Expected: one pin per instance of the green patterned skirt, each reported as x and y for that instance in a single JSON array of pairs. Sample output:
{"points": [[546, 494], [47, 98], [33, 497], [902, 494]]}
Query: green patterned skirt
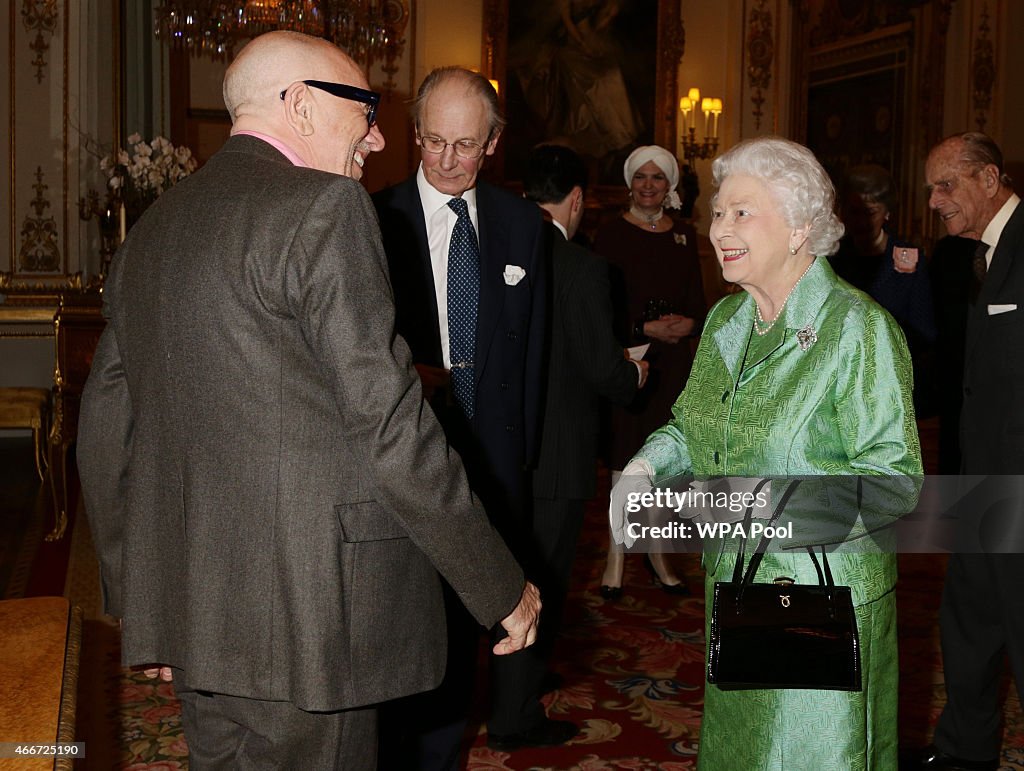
{"points": [[805, 730]]}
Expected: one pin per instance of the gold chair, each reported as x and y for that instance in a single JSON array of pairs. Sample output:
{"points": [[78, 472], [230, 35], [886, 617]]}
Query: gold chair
{"points": [[76, 331], [28, 408]]}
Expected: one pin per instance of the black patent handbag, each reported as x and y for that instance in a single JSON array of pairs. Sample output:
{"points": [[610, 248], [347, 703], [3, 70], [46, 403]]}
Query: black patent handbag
{"points": [[783, 634]]}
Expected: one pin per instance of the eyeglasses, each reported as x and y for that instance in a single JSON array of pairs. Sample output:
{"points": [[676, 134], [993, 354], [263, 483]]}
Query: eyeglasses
{"points": [[464, 148], [343, 91]]}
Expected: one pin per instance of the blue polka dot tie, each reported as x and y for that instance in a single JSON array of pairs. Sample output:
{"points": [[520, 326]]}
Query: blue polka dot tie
{"points": [[463, 297]]}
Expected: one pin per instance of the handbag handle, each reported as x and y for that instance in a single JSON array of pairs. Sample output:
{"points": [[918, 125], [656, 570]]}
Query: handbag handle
{"points": [[746, 578], [755, 561], [737, 574]]}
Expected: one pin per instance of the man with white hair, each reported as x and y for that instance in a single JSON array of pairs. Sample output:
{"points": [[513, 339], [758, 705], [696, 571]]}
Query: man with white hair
{"points": [[268, 496], [981, 618]]}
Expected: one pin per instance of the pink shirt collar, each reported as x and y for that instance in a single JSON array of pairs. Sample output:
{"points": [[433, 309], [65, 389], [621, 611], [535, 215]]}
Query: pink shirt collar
{"points": [[277, 144]]}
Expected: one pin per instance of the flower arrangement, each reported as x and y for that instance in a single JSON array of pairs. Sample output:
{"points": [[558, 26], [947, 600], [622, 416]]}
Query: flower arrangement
{"points": [[138, 175]]}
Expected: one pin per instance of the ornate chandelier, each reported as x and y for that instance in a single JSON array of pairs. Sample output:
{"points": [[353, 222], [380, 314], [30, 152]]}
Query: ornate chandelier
{"points": [[369, 30]]}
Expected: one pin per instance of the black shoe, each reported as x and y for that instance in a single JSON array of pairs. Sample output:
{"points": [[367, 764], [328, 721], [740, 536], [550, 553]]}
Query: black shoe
{"points": [[934, 759], [680, 589], [549, 733], [611, 593], [551, 681]]}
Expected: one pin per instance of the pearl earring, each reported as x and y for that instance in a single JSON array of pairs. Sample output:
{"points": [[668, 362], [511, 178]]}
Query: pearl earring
{"points": [[792, 250]]}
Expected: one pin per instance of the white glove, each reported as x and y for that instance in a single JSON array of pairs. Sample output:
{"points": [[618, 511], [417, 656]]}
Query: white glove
{"points": [[637, 478]]}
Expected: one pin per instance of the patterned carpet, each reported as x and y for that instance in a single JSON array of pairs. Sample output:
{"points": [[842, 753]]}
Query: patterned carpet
{"points": [[632, 670]]}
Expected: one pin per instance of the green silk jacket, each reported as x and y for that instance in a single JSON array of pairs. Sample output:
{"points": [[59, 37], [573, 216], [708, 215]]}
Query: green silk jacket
{"points": [[827, 391]]}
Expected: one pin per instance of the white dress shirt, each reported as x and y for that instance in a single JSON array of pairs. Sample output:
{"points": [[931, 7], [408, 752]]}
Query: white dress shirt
{"points": [[994, 229], [440, 223]]}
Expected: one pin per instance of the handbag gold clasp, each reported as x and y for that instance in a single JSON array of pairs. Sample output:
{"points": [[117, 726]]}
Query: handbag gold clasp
{"points": [[784, 581]]}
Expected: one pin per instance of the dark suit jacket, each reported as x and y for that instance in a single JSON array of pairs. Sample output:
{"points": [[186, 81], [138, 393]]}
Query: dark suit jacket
{"points": [[992, 422], [951, 275], [266, 491], [586, 363], [502, 438]]}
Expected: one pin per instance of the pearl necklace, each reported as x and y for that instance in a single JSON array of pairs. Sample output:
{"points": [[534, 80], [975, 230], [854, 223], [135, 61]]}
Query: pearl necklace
{"points": [[650, 219], [763, 327]]}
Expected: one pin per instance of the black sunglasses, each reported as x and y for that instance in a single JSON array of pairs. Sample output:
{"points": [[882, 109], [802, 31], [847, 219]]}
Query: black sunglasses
{"points": [[344, 91]]}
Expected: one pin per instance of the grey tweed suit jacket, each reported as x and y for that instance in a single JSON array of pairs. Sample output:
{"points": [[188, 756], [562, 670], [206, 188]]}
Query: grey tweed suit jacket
{"points": [[268, 493]]}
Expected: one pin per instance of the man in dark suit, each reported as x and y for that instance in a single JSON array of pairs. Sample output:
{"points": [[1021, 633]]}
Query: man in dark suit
{"points": [[268, 498], [585, 363], [982, 611], [469, 276], [952, 275]]}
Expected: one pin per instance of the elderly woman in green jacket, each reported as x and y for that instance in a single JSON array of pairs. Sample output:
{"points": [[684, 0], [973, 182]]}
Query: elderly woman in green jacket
{"points": [[800, 375]]}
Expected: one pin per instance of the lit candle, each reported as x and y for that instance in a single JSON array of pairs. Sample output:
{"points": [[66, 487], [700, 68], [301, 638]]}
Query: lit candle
{"points": [[684, 108], [705, 106], [685, 105], [716, 110], [694, 97], [122, 218]]}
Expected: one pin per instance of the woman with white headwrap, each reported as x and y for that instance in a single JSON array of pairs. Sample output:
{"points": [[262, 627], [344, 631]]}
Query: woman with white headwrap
{"points": [[659, 299]]}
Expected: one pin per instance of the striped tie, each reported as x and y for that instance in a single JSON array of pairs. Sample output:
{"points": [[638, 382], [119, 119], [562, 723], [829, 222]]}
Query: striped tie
{"points": [[979, 267]]}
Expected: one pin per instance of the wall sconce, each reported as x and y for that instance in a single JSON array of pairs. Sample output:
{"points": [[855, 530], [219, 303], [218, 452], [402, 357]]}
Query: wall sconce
{"points": [[110, 216], [712, 109]]}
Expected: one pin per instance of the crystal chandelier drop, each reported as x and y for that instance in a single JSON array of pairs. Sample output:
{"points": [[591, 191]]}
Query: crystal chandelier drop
{"points": [[370, 31]]}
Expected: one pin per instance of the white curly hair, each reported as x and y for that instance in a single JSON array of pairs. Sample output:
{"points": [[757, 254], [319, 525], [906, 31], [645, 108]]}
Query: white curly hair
{"points": [[801, 188]]}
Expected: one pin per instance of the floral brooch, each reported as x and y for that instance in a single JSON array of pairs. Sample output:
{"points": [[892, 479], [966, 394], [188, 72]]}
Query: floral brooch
{"points": [[806, 337]]}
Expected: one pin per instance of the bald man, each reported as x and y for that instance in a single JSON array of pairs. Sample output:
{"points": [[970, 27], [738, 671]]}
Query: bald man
{"points": [[270, 500]]}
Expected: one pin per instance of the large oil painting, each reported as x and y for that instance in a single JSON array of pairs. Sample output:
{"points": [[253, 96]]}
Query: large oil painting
{"points": [[597, 75], [855, 113]]}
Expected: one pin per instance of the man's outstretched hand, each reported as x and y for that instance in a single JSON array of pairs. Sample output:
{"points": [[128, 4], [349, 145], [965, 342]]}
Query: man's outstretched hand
{"points": [[521, 623]]}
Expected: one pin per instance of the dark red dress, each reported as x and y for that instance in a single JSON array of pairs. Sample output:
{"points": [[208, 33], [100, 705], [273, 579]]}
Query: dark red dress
{"points": [[650, 272]]}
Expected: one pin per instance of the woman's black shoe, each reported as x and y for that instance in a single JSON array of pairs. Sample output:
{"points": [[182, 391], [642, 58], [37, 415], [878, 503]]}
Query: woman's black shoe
{"points": [[611, 592], [679, 590]]}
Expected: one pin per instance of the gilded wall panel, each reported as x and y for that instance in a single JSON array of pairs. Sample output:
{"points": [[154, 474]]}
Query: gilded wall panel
{"points": [[760, 58], [46, 101], [40, 18], [983, 69]]}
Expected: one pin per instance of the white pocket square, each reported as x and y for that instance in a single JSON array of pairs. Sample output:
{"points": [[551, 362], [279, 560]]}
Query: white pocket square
{"points": [[513, 274], [995, 310]]}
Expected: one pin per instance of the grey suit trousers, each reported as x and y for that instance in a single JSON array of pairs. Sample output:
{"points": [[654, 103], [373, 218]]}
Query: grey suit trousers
{"points": [[230, 733]]}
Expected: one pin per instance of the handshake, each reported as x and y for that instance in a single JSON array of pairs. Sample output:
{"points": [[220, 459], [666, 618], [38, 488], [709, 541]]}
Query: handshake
{"points": [[718, 500]]}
